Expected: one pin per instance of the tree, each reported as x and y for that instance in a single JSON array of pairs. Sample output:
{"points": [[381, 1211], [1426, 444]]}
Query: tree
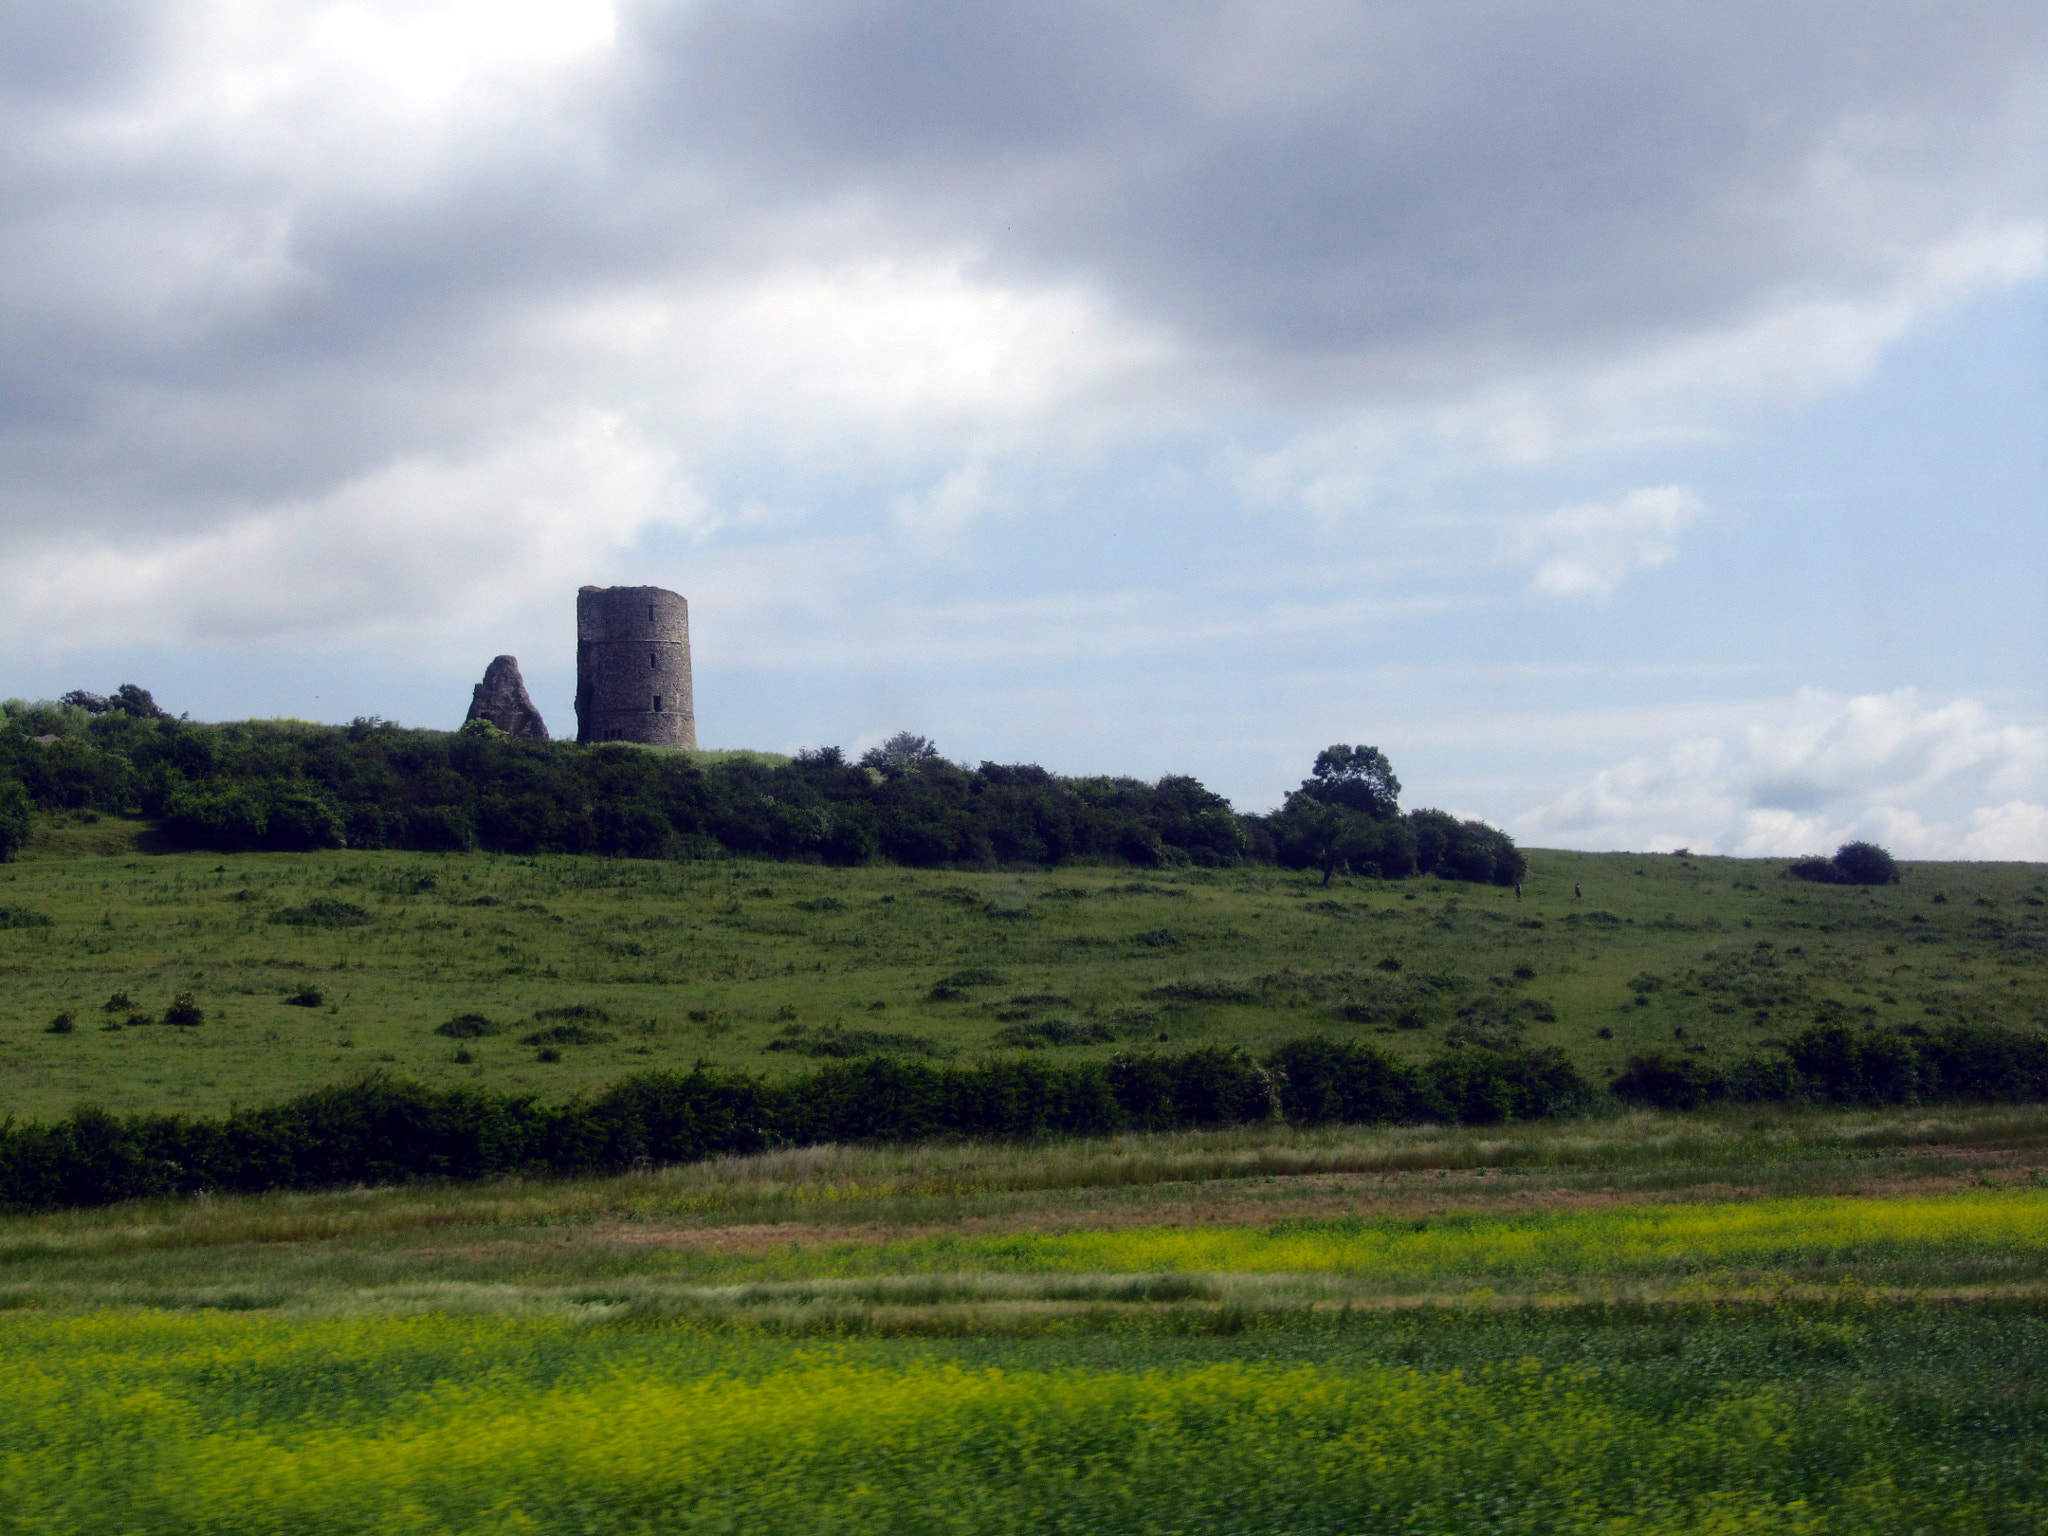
{"points": [[17, 819], [1345, 815], [1866, 864], [1853, 864], [900, 754], [1357, 778], [131, 700], [1464, 850], [1313, 834]]}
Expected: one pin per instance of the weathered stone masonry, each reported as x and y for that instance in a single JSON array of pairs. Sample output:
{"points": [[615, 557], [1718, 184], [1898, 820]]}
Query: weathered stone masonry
{"points": [[501, 698], [633, 667]]}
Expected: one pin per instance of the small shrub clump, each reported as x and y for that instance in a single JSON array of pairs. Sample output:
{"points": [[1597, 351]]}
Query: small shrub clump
{"points": [[567, 1034], [1038, 1035], [324, 912], [469, 1026], [586, 1011], [836, 1042], [1853, 864]]}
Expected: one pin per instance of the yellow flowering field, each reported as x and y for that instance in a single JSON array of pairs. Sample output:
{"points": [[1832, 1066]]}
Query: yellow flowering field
{"points": [[1195, 1344], [232, 1422], [2000, 1227]]}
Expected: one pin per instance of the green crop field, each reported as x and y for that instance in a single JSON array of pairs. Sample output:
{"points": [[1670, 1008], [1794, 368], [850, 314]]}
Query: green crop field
{"points": [[1813, 1322], [309, 968]]}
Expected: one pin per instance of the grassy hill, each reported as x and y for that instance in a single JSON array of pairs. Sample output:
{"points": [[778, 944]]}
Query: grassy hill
{"points": [[313, 967], [1755, 1317]]}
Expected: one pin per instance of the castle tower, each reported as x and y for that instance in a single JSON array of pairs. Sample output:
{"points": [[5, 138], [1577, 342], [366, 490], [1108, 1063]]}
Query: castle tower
{"points": [[633, 667]]}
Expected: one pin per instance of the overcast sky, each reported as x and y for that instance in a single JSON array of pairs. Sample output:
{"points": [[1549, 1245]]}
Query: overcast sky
{"points": [[1629, 417]]}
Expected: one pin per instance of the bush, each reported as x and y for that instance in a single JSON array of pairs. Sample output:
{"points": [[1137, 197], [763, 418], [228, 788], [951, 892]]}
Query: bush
{"points": [[302, 819], [975, 976], [17, 819], [567, 1034], [469, 1026], [440, 829], [1476, 1086], [184, 1011], [1464, 850], [1039, 1034], [1667, 1082], [22, 917], [1815, 868], [226, 816], [1833, 1063], [308, 996], [1326, 1081], [1866, 864], [324, 912], [836, 1042], [1853, 864]]}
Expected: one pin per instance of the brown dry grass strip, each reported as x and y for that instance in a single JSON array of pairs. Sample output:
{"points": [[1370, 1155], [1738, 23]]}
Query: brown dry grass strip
{"points": [[1311, 1197]]}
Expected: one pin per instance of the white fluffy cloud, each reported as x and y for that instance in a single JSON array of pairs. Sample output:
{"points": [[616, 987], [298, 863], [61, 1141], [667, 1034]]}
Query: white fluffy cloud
{"points": [[1588, 551], [253, 260], [421, 546], [1927, 779]]}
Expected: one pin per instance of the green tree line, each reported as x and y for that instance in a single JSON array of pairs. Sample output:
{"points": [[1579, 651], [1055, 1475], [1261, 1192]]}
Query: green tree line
{"points": [[295, 785]]}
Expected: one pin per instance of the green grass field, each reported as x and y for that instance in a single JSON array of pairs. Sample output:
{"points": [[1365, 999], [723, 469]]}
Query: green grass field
{"points": [[768, 966], [1764, 1319]]}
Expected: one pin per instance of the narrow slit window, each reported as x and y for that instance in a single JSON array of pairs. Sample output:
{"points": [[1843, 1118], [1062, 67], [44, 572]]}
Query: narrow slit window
{"points": [[657, 703], [651, 662], [650, 613]]}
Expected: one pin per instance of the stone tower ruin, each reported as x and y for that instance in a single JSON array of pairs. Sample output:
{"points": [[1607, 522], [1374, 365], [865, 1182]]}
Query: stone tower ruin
{"points": [[502, 699], [633, 667]]}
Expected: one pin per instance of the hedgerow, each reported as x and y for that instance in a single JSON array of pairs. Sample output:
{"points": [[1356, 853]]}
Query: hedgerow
{"points": [[380, 1129], [1835, 1064]]}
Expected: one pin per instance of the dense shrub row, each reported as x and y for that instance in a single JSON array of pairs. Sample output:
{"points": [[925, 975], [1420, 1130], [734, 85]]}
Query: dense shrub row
{"points": [[1834, 1064], [292, 785], [384, 1130]]}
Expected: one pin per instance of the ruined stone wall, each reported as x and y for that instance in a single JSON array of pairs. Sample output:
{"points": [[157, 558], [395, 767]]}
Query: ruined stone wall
{"points": [[502, 699], [633, 667]]}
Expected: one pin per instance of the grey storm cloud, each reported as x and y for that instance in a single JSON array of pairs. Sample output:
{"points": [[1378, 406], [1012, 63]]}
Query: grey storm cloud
{"points": [[201, 313], [1445, 184]]}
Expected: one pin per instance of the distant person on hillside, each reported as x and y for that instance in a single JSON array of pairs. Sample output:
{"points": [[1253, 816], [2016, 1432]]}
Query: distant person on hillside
{"points": [[1576, 892], [1518, 890]]}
